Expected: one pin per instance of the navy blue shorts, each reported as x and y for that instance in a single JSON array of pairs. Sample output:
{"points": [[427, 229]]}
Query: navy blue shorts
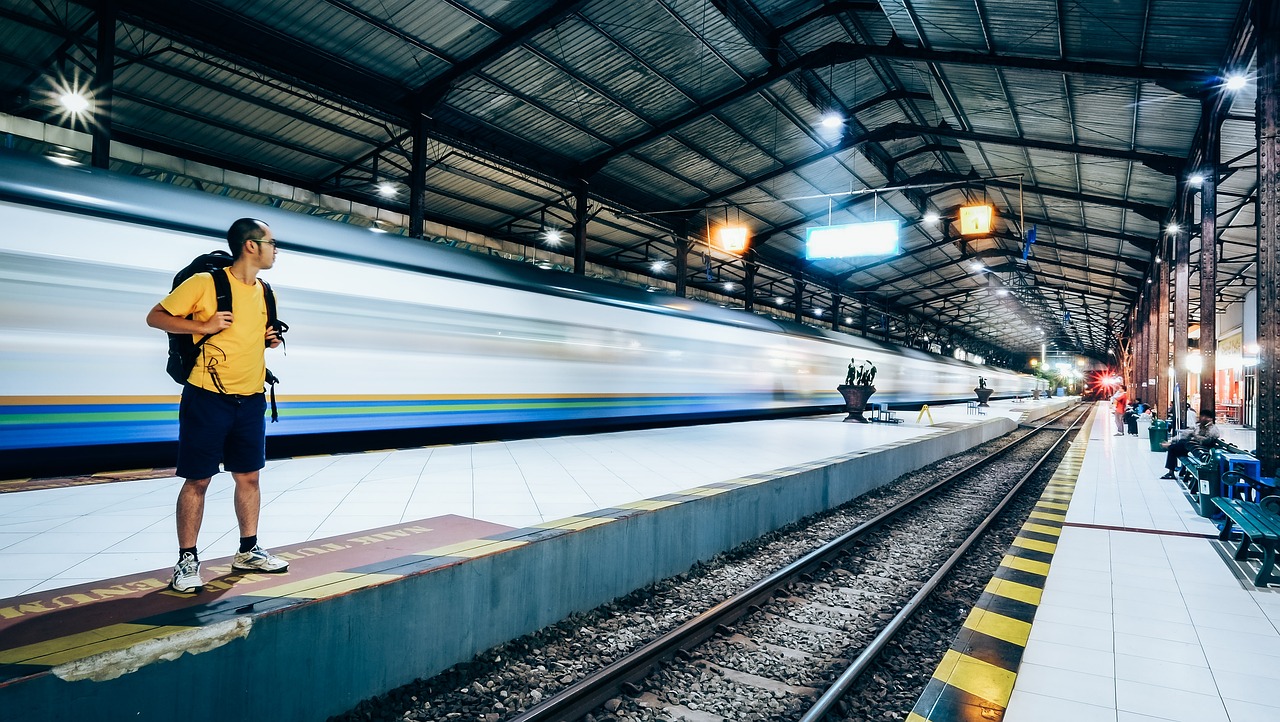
{"points": [[217, 428]]}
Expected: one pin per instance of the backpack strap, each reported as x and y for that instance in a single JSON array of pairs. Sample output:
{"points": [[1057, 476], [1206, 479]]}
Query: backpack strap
{"points": [[222, 295], [280, 326]]}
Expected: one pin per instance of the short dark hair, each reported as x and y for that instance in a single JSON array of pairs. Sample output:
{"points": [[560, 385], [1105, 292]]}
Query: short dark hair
{"points": [[245, 229]]}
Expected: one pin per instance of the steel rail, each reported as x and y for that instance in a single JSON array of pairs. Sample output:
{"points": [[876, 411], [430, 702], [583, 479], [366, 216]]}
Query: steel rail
{"points": [[594, 690], [837, 690]]}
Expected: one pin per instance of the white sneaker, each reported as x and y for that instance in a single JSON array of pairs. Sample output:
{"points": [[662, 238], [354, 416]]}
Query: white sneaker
{"points": [[186, 575], [258, 559]]}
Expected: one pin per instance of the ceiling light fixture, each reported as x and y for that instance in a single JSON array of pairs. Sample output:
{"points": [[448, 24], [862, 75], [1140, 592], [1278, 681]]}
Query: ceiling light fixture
{"points": [[932, 217], [74, 102], [1236, 81], [832, 120], [386, 189]]}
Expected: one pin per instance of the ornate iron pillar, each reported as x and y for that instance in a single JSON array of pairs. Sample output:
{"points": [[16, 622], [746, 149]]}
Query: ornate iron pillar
{"points": [[1182, 304], [836, 301], [1139, 348], [797, 298], [682, 256], [418, 175], [1163, 378], [104, 84], [1153, 354], [749, 268], [1267, 29], [580, 228], [1208, 344]]}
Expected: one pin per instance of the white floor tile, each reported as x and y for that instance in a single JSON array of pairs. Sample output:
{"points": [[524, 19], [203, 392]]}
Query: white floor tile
{"points": [[1167, 703], [1029, 707]]}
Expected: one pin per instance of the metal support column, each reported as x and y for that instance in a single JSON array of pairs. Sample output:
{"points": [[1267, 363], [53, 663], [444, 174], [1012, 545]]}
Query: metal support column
{"points": [[797, 298], [682, 256], [104, 84], [580, 229], [1152, 393], [418, 176], [1267, 29], [1163, 385], [1208, 344], [749, 268], [836, 301], [1182, 305]]}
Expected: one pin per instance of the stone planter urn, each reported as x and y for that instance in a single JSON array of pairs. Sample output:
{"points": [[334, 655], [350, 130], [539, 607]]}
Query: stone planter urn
{"points": [[1035, 395], [855, 400], [984, 395]]}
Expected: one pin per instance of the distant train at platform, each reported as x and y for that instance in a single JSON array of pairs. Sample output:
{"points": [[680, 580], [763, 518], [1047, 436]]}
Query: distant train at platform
{"points": [[387, 333]]}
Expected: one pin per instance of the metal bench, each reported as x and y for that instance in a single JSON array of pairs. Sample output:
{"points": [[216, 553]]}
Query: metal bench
{"points": [[1258, 527]]}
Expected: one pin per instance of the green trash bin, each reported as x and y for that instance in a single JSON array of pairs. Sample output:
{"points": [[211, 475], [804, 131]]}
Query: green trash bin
{"points": [[1158, 433]]}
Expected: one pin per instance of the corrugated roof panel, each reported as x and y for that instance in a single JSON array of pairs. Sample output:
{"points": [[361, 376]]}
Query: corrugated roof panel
{"points": [[1167, 122], [693, 167], [1019, 27], [816, 34], [493, 105], [770, 127], [1189, 33], [721, 33], [645, 177], [949, 24], [1104, 30], [441, 26], [725, 145], [982, 100], [1151, 186], [1040, 103], [597, 57], [342, 34], [548, 86], [654, 34]]}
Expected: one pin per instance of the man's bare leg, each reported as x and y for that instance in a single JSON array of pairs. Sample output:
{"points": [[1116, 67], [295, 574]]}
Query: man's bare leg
{"points": [[248, 501], [191, 511]]}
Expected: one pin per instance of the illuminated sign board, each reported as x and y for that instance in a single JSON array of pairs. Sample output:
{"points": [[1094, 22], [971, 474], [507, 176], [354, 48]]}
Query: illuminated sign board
{"points": [[975, 220], [733, 238], [876, 238]]}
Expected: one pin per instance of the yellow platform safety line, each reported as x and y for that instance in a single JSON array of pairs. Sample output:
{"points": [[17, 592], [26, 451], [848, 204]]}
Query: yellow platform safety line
{"points": [[1014, 631], [978, 678], [1030, 566], [60, 650], [964, 687], [1042, 529], [1035, 545], [472, 548], [924, 411], [575, 523], [647, 504], [325, 585]]}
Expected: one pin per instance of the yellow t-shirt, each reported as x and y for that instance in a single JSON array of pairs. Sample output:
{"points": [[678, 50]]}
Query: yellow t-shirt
{"points": [[235, 354]]}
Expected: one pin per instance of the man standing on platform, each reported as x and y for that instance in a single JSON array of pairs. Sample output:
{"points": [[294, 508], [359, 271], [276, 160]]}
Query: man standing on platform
{"points": [[1204, 433], [222, 415]]}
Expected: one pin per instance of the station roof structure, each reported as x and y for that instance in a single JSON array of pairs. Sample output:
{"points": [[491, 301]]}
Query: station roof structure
{"points": [[1077, 118]]}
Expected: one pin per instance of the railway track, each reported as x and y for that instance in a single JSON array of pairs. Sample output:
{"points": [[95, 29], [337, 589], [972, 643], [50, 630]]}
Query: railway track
{"points": [[769, 651]]}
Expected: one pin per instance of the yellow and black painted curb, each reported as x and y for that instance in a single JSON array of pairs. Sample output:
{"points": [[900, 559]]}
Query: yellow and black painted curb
{"points": [[974, 680]]}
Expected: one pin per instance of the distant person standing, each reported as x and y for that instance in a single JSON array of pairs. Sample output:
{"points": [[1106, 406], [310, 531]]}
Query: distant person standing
{"points": [[1118, 406], [222, 415]]}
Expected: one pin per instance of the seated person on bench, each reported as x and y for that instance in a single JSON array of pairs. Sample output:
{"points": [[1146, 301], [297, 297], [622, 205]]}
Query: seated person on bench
{"points": [[1203, 435]]}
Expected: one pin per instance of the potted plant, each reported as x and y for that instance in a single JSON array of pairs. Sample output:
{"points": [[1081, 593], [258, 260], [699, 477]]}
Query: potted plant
{"points": [[984, 393], [857, 389]]}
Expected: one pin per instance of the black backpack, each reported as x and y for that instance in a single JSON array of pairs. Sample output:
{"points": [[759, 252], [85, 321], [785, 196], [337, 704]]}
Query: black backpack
{"points": [[183, 352]]}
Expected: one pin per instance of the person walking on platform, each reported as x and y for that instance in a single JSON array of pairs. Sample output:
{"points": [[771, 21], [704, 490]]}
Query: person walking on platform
{"points": [[221, 418], [1118, 405], [1204, 434]]}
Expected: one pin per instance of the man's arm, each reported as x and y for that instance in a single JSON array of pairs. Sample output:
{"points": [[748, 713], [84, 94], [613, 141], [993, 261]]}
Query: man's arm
{"points": [[169, 323]]}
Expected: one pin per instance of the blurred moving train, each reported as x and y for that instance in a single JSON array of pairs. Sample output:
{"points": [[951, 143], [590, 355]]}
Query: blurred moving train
{"points": [[388, 334]]}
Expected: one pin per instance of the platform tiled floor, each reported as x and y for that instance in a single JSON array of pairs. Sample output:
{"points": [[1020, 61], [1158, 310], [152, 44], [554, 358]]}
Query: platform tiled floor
{"points": [[59, 537], [1137, 626]]}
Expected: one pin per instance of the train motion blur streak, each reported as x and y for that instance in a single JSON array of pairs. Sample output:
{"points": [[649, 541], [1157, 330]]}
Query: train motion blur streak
{"points": [[387, 332]]}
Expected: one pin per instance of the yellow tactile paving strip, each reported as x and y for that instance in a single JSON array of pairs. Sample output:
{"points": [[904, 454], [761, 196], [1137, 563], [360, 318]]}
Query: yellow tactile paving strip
{"points": [[975, 679]]}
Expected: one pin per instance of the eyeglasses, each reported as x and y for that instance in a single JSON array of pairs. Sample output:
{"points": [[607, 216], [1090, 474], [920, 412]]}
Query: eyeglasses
{"points": [[262, 241]]}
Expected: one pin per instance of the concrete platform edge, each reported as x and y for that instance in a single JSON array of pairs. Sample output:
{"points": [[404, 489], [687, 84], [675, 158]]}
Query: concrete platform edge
{"points": [[328, 655]]}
